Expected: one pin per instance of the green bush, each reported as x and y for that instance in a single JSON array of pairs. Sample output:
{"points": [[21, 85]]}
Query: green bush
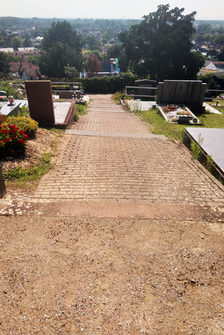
{"points": [[105, 84], [28, 125], [108, 84], [10, 90]]}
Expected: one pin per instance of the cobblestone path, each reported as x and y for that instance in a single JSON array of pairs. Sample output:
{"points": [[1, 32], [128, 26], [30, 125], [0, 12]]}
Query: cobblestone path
{"points": [[111, 155]]}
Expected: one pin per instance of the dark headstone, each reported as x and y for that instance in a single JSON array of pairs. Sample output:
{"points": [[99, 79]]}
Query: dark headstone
{"points": [[186, 92], [2, 183], [40, 101], [66, 94], [141, 83]]}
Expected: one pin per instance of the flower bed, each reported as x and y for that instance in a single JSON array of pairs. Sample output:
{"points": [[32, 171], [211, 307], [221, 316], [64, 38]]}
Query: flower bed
{"points": [[178, 114], [12, 141]]}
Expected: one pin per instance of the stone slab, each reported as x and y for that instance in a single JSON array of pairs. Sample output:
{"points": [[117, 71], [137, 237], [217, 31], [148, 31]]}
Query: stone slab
{"points": [[140, 105], [8, 110], [211, 109], [212, 142], [60, 111]]}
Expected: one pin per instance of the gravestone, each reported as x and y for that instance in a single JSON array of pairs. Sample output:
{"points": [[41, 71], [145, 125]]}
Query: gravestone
{"points": [[186, 92], [40, 101], [66, 94], [2, 183], [145, 91]]}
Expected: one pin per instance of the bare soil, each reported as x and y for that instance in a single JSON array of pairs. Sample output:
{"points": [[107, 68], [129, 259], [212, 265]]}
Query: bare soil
{"points": [[110, 276], [77, 268]]}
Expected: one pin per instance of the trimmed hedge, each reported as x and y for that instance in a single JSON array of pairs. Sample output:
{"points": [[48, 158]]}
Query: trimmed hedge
{"points": [[105, 84], [108, 84]]}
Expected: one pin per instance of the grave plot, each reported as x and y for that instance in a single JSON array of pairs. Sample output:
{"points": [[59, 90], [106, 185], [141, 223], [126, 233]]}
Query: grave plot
{"points": [[178, 114], [210, 141], [41, 106], [178, 99]]}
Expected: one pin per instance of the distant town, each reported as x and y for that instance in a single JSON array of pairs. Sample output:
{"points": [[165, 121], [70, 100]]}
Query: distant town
{"points": [[21, 39]]}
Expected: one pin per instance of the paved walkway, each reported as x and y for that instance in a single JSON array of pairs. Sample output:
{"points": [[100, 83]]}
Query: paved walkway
{"points": [[110, 155]]}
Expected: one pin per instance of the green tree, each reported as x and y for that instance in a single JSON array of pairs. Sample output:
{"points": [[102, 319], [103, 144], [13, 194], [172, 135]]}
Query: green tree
{"points": [[61, 47], [221, 55], [90, 42], [160, 46], [116, 51], [16, 42], [92, 64], [27, 42], [4, 63], [218, 39]]}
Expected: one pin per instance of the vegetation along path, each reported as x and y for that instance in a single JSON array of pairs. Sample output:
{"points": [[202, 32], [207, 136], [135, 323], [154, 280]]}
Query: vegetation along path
{"points": [[124, 236]]}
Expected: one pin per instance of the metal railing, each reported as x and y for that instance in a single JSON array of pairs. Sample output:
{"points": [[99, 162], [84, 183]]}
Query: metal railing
{"points": [[213, 91]]}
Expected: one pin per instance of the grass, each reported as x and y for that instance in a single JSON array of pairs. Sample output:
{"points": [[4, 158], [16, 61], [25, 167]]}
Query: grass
{"points": [[160, 126], [81, 109], [176, 131], [116, 97], [221, 102], [22, 176], [57, 132]]}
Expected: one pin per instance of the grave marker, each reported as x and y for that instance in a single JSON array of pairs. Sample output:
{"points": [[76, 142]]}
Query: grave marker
{"points": [[2, 183], [40, 101], [185, 92]]}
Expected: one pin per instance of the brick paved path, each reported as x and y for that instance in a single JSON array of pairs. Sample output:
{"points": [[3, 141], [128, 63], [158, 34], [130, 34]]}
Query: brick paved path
{"points": [[110, 155]]}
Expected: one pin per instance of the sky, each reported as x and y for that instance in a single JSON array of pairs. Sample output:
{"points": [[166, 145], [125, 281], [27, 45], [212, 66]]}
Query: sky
{"points": [[116, 9]]}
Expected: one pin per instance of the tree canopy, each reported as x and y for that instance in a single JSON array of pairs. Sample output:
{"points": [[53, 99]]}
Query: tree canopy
{"points": [[61, 47], [4, 63], [160, 46]]}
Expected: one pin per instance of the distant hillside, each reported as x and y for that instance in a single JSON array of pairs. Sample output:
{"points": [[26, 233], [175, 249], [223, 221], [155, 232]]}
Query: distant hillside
{"points": [[16, 23], [211, 22]]}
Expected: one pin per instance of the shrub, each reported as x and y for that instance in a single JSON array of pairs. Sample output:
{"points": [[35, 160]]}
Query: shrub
{"points": [[12, 141], [108, 84], [10, 90], [28, 125]]}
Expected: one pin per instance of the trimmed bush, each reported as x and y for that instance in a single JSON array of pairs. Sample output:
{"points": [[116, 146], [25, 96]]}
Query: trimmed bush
{"points": [[12, 141], [28, 125], [108, 84]]}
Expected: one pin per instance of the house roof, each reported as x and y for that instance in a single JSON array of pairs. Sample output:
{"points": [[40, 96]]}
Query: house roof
{"points": [[31, 70]]}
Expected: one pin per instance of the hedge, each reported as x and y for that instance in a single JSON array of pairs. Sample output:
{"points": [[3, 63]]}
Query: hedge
{"points": [[105, 84]]}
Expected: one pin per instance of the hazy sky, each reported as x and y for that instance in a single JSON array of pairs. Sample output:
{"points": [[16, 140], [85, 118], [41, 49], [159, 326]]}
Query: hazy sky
{"points": [[126, 9]]}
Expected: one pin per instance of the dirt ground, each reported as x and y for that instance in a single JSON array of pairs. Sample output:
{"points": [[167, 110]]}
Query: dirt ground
{"points": [[70, 267], [110, 276]]}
